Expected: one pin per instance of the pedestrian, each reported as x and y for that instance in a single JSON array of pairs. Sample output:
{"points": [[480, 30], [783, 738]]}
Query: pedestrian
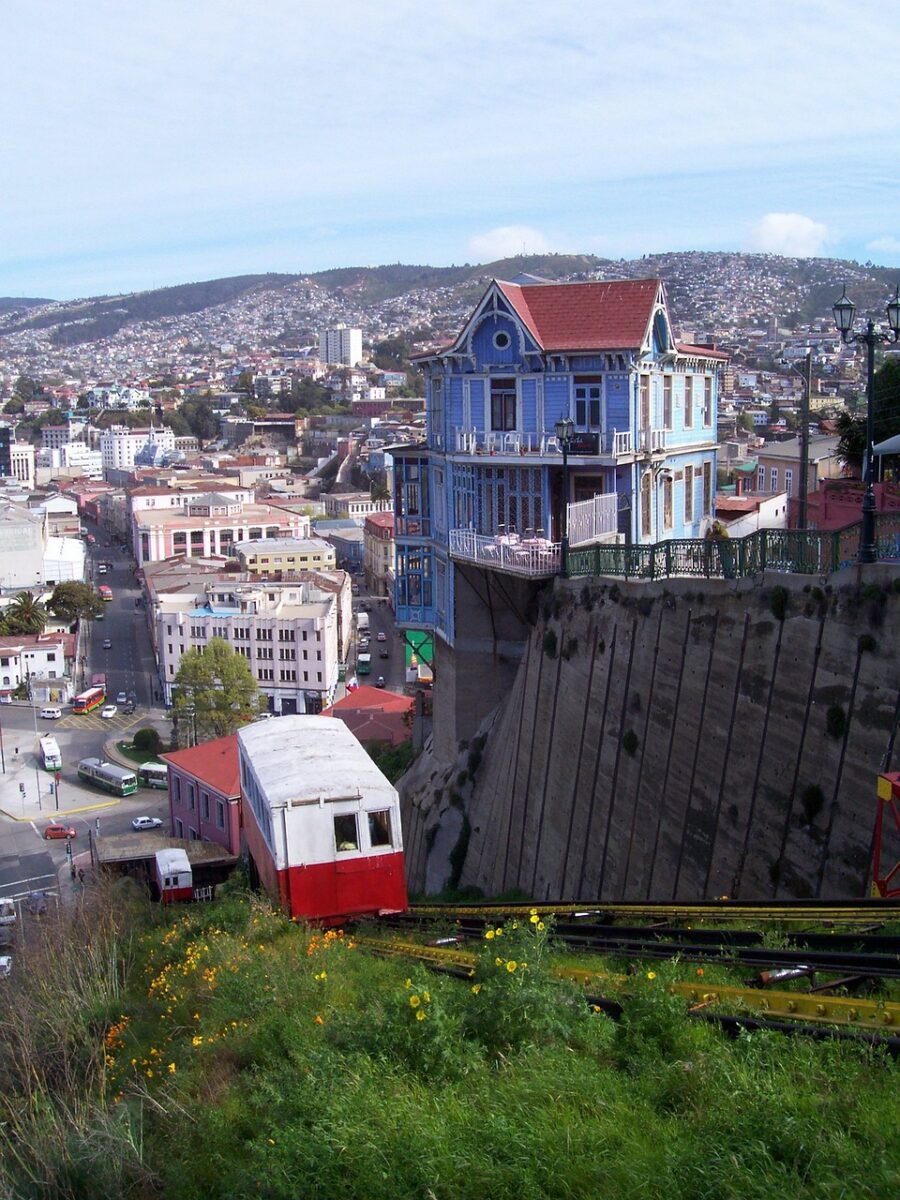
{"points": [[81, 875]]}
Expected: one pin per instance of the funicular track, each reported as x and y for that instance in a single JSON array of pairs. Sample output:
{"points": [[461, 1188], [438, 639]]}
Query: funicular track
{"points": [[800, 941]]}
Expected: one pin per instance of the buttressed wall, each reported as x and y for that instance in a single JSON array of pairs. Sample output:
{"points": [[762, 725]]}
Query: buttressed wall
{"points": [[691, 741]]}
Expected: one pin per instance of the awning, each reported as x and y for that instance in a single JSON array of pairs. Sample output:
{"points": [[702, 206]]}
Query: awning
{"points": [[890, 445]]}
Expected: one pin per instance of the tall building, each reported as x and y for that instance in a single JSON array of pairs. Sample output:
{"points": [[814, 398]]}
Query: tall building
{"points": [[341, 345], [119, 445], [5, 456], [490, 491]]}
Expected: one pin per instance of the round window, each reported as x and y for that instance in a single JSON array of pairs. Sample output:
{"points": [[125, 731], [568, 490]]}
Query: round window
{"points": [[501, 340]]}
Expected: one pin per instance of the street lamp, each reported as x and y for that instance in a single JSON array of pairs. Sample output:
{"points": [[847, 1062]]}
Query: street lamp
{"points": [[804, 434], [844, 312], [565, 432]]}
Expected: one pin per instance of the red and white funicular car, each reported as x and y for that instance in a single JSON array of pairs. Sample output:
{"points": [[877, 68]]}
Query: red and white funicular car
{"points": [[321, 822]]}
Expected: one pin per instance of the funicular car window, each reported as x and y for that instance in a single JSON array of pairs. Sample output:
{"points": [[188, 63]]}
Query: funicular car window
{"points": [[380, 828], [346, 836]]}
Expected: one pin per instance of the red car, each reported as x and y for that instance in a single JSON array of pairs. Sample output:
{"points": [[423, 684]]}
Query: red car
{"points": [[55, 830]]}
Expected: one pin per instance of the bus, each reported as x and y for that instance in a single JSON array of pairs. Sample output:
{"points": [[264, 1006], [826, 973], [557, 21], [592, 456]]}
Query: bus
{"points": [[153, 775], [104, 592], [51, 759], [89, 700], [364, 664], [108, 776]]}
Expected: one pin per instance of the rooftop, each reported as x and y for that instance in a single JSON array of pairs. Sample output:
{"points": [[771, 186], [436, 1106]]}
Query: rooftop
{"points": [[307, 759], [214, 763]]}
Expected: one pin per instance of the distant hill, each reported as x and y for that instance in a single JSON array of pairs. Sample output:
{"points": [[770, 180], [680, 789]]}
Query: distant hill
{"points": [[707, 290], [11, 304]]}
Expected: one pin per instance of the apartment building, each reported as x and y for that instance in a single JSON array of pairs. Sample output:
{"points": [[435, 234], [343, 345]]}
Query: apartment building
{"points": [[205, 793], [355, 506], [378, 553], [288, 632], [274, 558], [340, 345], [210, 524], [119, 446], [45, 662], [22, 463]]}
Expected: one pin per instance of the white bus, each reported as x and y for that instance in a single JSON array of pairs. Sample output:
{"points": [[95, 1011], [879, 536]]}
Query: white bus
{"points": [[51, 759], [153, 775], [108, 776]]}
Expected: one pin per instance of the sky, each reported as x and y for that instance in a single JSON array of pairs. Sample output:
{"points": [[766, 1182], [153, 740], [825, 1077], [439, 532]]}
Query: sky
{"points": [[172, 141]]}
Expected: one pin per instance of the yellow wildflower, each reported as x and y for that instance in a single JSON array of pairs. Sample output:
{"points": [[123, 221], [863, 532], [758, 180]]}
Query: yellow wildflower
{"points": [[498, 962], [426, 997], [319, 1020], [651, 974], [420, 1015], [149, 1073], [533, 912], [499, 931], [196, 1040], [171, 1068], [540, 926], [271, 1141], [511, 965], [408, 984], [534, 918], [489, 935], [414, 1001], [476, 988]]}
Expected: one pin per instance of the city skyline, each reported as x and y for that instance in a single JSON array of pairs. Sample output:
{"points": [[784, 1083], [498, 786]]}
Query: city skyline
{"points": [[181, 143]]}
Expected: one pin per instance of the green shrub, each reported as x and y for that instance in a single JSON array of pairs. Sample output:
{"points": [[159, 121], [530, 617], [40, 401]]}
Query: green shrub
{"points": [[147, 739]]}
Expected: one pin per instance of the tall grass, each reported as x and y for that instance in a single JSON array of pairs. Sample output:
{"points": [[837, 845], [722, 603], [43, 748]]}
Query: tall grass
{"points": [[222, 1051]]}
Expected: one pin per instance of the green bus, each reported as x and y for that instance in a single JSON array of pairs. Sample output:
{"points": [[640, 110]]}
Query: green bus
{"points": [[108, 776]]}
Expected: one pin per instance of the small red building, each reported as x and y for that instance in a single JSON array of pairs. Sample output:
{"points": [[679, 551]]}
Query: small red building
{"points": [[375, 714], [205, 793]]}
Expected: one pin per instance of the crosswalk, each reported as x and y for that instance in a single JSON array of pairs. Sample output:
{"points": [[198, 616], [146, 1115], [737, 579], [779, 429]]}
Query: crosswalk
{"points": [[95, 722]]}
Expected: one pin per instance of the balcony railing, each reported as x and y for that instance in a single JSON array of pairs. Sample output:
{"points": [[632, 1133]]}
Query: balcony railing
{"points": [[610, 443], [594, 519], [652, 441], [531, 557]]}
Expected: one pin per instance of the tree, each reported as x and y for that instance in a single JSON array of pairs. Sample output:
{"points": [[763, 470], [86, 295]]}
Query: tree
{"points": [[202, 421], [73, 600], [25, 615], [215, 691], [745, 421]]}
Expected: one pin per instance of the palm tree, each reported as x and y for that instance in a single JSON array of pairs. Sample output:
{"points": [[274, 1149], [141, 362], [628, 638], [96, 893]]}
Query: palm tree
{"points": [[26, 615]]}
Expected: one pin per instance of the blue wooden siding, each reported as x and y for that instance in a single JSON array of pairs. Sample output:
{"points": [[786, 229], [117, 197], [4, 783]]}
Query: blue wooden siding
{"points": [[528, 412], [486, 353], [618, 417], [476, 403], [556, 399], [453, 405]]}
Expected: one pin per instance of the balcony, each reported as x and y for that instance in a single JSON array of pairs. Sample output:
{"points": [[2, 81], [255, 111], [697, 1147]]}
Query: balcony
{"points": [[610, 444], [593, 520], [652, 441], [533, 558]]}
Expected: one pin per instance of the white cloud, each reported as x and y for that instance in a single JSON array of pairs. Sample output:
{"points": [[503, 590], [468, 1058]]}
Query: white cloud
{"points": [[791, 234], [885, 245], [506, 241]]}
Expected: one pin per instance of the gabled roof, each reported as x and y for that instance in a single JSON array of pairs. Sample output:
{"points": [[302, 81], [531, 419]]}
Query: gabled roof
{"points": [[613, 315], [214, 763]]}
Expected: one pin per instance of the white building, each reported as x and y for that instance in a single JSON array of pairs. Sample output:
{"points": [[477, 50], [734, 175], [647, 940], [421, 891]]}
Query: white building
{"points": [[45, 661], [70, 459], [287, 632], [23, 541], [22, 461], [341, 345], [119, 445]]}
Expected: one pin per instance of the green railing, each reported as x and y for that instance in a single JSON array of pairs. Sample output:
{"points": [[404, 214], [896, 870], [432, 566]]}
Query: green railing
{"points": [[798, 552]]}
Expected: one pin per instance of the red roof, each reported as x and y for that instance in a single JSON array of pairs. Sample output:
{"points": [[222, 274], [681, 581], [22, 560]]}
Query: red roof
{"points": [[214, 763], [585, 316], [372, 714]]}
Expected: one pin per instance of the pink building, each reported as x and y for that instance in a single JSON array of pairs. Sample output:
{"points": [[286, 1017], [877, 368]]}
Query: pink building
{"points": [[205, 793], [839, 503]]}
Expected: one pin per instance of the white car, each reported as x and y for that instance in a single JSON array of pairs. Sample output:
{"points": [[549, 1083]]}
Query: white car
{"points": [[122, 698], [109, 710], [382, 636], [5, 965], [146, 823]]}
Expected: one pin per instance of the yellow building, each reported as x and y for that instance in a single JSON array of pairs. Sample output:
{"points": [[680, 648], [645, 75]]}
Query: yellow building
{"points": [[274, 558]]}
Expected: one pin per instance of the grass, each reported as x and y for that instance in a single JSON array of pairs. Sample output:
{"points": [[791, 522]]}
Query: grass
{"points": [[137, 756], [222, 1051]]}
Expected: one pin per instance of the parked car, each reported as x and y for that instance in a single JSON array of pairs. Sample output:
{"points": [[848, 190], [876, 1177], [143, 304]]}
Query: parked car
{"points": [[379, 682], [146, 823], [382, 636], [121, 697], [107, 644], [108, 711], [57, 830], [128, 707], [384, 652]]}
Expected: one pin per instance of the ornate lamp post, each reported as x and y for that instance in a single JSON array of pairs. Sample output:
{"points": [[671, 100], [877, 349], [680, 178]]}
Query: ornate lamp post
{"points": [[565, 432], [844, 312]]}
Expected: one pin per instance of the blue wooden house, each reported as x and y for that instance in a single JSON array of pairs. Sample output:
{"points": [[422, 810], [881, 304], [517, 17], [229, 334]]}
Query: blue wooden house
{"points": [[491, 488]]}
